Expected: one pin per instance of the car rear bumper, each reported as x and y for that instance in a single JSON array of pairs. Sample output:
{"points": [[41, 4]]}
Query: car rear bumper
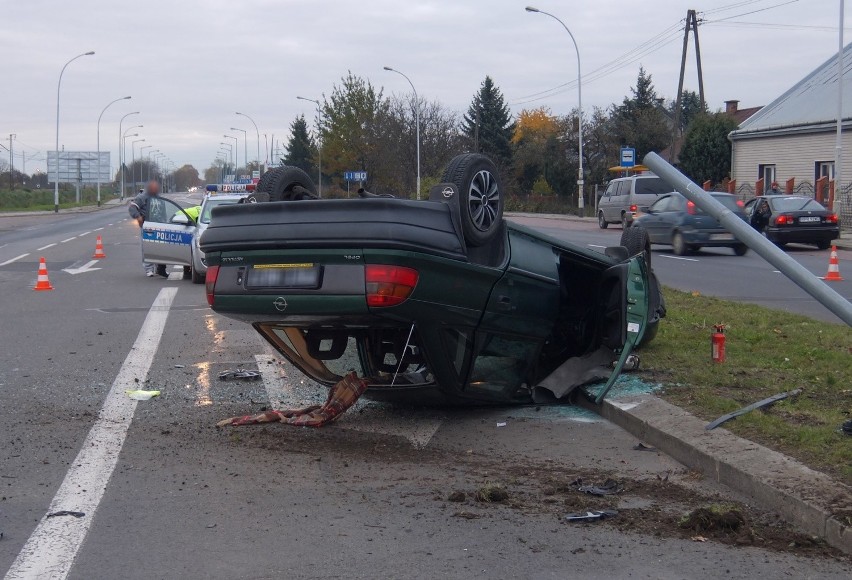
{"points": [[802, 235], [710, 238]]}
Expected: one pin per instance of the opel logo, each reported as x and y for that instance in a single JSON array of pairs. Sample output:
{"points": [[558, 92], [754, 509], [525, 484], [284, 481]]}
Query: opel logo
{"points": [[447, 192], [280, 304]]}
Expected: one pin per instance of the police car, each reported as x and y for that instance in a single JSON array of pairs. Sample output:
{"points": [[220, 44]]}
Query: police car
{"points": [[170, 233]]}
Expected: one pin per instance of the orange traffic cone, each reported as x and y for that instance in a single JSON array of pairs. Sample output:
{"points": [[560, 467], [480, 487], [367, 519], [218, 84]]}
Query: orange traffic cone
{"points": [[99, 249], [833, 274], [43, 283]]}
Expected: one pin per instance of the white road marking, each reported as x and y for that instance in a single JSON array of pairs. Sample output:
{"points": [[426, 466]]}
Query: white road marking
{"points": [[176, 274], [677, 258], [68, 240], [108, 225], [15, 259], [53, 546], [46, 247], [418, 426], [98, 229], [85, 233], [87, 267]]}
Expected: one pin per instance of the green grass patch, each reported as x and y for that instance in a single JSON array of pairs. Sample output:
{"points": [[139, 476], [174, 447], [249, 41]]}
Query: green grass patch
{"points": [[768, 352], [42, 199]]}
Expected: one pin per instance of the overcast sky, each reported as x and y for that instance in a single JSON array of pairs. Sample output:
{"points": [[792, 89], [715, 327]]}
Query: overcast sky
{"points": [[191, 64]]}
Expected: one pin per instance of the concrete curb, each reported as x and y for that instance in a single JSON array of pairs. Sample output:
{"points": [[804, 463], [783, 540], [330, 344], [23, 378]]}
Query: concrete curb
{"points": [[802, 496], [72, 210]]}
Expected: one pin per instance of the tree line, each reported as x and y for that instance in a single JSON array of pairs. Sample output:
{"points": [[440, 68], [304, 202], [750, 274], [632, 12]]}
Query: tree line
{"points": [[359, 128]]}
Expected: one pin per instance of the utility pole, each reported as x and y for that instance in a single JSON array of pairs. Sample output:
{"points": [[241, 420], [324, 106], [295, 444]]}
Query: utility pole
{"points": [[11, 162], [691, 25]]}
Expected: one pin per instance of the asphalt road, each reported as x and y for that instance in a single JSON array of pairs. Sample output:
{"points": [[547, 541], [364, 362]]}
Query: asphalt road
{"points": [[717, 271], [165, 494]]}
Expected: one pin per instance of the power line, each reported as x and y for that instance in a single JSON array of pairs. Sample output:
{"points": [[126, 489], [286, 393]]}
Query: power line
{"points": [[772, 25], [731, 6], [756, 11]]}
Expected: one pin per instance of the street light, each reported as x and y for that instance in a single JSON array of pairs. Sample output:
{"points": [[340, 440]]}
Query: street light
{"points": [[245, 144], [133, 161], [230, 152], [416, 120], [148, 165], [258, 137], [236, 151], [58, 87], [580, 202], [121, 152], [141, 149], [99, 144], [319, 140]]}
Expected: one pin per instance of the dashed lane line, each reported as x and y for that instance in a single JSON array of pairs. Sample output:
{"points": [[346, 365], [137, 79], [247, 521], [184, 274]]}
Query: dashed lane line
{"points": [[98, 229], [68, 240], [15, 259], [84, 234], [51, 549], [418, 426], [678, 258], [46, 247]]}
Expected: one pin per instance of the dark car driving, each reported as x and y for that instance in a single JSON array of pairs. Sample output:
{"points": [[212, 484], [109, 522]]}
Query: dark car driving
{"points": [[786, 219], [675, 221]]}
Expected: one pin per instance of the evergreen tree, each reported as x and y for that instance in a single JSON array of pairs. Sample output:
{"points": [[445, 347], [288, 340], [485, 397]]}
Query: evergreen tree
{"points": [[300, 147], [488, 124], [640, 121], [706, 152]]}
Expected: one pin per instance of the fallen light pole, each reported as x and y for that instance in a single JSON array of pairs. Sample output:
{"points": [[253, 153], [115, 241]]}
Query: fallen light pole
{"points": [[800, 275]]}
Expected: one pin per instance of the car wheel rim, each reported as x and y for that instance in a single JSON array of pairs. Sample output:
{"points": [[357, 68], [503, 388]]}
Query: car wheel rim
{"points": [[600, 219], [483, 200]]}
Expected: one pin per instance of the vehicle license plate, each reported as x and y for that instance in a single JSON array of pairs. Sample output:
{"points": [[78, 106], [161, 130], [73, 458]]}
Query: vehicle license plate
{"points": [[300, 276], [722, 237], [809, 219]]}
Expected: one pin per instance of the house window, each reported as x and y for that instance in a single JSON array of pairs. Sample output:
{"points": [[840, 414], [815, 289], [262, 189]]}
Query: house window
{"points": [[824, 169], [767, 174]]}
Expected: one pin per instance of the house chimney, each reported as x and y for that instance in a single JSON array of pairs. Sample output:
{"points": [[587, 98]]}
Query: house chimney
{"points": [[731, 107]]}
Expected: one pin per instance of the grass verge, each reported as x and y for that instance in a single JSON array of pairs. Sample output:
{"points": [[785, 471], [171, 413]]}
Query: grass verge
{"points": [[768, 352]]}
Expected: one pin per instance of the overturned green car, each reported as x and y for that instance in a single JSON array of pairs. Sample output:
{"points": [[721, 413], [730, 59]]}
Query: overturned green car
{"points": [[437, 302]]}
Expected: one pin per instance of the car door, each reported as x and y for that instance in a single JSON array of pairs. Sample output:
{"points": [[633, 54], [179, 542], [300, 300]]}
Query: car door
{"points": [[652, 221], [167, 233], [605, 204]]}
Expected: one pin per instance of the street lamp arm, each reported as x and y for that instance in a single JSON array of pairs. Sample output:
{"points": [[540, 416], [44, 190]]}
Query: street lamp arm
{"points": [[416, 121], [58, 89]]}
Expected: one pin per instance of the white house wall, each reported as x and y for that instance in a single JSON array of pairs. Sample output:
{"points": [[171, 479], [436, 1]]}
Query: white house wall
{"points": [[793, 156]]}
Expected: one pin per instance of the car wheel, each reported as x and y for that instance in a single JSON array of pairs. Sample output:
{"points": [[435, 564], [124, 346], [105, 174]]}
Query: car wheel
{"points": [[602, 223], [481, 196], [625, 223], [740, 249], [636, 240], [197, 278], [291, 184], [266, 180], [257, 197], [823, 245], [679, 245]]}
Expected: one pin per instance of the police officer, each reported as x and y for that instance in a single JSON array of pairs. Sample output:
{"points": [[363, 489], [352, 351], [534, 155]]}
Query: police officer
{"points": [[140, 209]]}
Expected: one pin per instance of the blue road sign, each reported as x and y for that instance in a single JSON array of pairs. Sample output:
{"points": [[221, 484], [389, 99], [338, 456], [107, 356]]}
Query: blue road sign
{"points": [[628, 157], [355, 175]]}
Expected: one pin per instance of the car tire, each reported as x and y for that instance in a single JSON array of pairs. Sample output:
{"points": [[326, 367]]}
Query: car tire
{"points": [[602, 223], [636, 240], [196, 277], [823, 245], [481, 196], [266, 180], [740, 249], [257, 197], [624, 221], [291, 184], [679, 246]]}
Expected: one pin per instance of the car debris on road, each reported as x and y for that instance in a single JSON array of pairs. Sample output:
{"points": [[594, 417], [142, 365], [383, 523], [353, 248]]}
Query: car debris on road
{"points": [[591, 516]]}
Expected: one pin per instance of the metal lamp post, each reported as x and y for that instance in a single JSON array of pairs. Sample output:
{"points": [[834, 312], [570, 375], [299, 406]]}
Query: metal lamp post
{"points": [[58, 87], [148, 166], [133, 161], [141, 149], [99, 143], [319, 140], [245, 145], [236, 152], [580, 202], [121, 152], [416, 121], [230, 152], [258, 137]]}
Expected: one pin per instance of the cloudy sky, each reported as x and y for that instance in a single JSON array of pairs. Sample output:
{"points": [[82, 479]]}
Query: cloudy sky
{"points": [[191, 64]]}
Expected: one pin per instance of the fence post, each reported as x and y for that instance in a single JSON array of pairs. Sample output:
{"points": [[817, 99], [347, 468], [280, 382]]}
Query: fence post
{"points": [[819, 189], [732, 186], [791, 184], [758, 187], [707, 185], [831, 195]]}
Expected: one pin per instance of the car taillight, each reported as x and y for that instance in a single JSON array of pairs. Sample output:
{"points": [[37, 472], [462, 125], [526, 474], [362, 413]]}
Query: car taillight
{"points": [[690, 208], [210, 282], [784, 220], [831, 219], [740, 203], [634, 208], [389, 285]]}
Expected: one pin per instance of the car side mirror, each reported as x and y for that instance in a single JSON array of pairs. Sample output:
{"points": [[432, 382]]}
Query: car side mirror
{"points": [[182, 219]]}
